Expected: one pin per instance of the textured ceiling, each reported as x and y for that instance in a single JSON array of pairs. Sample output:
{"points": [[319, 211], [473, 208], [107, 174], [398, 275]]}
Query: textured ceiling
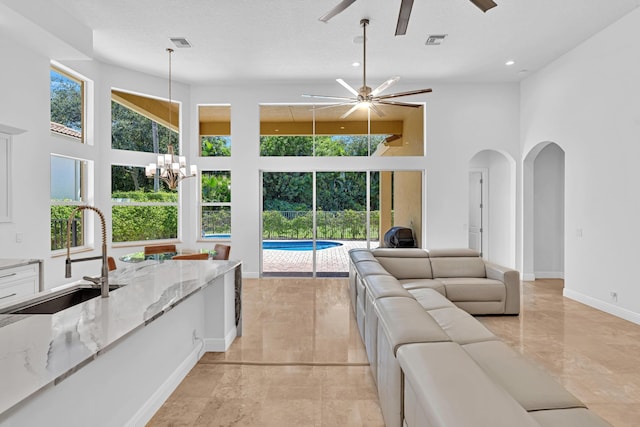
{"points": [[282, 40]]}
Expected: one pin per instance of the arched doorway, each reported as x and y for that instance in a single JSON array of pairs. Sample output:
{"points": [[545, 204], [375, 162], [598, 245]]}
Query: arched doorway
{"points": [[543, 212], [496, 194]]}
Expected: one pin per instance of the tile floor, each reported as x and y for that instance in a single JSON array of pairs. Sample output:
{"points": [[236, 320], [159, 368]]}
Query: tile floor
{"points": [[301, 361]]}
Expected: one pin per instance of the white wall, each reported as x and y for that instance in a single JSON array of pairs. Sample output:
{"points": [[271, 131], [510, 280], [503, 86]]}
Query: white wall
{"points": [[499, 205], [548, 205], [588, 102], [462, 119]]}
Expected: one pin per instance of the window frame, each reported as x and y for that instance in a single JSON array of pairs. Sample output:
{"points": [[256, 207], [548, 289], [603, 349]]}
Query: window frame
{"points": [[114, 203], [69, 74], [202, 204], [84, 199]]}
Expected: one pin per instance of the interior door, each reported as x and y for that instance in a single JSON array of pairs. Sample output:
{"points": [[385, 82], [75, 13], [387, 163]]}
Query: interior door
{"points": [[475, 211]]}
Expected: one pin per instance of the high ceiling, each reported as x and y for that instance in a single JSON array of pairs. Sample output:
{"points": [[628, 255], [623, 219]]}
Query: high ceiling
{"points": [[283, 40]]}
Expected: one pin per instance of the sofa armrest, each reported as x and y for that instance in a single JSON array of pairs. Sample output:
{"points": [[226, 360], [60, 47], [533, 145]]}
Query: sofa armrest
{"points": [[511, 280]]}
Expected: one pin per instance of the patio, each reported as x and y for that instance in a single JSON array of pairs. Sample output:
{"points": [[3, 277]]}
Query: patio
{"points": [[330, 260]]}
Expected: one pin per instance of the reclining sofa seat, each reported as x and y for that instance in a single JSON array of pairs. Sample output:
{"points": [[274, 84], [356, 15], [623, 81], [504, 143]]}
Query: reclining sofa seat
{"points": [[473, 284], [434, 363]]}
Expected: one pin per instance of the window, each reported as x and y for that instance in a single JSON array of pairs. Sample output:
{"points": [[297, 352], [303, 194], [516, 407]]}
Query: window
{"points": [[215, 204], [141, 123], [142, 208], [67, 104], [215, 130], [304, 130], [67, 191]]}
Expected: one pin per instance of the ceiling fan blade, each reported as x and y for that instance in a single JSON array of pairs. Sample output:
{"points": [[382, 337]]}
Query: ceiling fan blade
{"points": [[403, 17], [385, 85], [484, 5], [400, 104], [343, 98], [336, 10], [351, 110], [399, 94], [340, 104], [376, 110], [348, 87]]}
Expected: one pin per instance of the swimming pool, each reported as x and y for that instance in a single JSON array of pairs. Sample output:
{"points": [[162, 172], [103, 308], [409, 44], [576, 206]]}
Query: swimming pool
{"points": [[298, 245]]}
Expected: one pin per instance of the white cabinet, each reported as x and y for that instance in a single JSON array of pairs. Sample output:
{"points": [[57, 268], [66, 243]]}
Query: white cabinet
{"points": [[18, 282]]}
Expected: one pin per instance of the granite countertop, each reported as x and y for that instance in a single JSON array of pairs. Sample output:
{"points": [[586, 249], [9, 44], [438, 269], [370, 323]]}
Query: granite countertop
{"points": [[10, 263], [41, 350]]}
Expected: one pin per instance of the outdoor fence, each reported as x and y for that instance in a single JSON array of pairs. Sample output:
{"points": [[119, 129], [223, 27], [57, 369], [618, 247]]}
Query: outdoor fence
{"points": [[332, 225], [59, 233], [276, 225]]}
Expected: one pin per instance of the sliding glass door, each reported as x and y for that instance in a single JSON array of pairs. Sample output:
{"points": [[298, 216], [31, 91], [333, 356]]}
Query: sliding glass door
{"points": [[287, 224], [310, 221]]}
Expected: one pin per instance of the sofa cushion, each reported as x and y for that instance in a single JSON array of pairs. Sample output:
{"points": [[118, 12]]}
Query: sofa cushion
{"points": [[452, 390], [380, 286], [366, 268], [576, 417], [474, 289], [400, 253], [458, 267], [430, 299], [405, 263], [460, 326], [532, 387], [410, 284], [360, 254], [404, 321], [453, 252]]}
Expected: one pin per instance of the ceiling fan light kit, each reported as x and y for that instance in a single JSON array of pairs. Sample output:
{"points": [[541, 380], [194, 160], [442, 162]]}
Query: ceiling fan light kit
{"points": [[365, 97]]}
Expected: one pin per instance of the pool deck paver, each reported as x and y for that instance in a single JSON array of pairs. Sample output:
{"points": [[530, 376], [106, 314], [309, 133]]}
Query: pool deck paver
{"points": [[331, 260]]}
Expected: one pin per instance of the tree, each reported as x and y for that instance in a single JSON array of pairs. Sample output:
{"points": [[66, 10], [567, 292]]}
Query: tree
{"points": [[133, 131], [215, 146], [66, 101]]}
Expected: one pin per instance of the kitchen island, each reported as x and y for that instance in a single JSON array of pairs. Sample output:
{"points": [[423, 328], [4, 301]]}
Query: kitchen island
{"points": [[113, 361]]}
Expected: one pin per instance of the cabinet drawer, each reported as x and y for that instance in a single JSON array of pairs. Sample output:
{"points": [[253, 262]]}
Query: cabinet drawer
{"points": [[9, 276], [19, 289]]}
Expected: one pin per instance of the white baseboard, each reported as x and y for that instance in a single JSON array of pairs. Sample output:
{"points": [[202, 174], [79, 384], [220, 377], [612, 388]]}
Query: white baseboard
{"points": [[612, 309], [217, 344], [549, 274], [151, 406], [528, 277], [250, 275]]}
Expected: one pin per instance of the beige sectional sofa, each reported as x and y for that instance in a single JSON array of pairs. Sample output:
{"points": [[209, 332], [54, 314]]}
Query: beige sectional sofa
{"points": [[433, 362]]}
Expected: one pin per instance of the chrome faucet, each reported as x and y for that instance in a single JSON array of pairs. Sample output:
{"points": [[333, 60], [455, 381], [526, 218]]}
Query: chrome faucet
{"points": [[103, 280]]}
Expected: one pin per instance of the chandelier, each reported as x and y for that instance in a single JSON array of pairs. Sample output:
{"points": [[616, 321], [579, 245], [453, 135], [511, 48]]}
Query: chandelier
{"points": [[169, 167]]}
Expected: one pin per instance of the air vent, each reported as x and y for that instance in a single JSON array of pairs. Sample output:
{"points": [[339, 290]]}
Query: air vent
{"points": [[180, 42], [435, 39]]}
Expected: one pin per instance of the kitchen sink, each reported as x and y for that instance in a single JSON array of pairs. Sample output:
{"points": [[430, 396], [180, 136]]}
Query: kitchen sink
{"points": [[57, 301]]}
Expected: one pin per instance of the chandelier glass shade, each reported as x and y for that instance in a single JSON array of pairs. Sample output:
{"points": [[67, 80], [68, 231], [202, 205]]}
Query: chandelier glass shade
{"points": [[170, 167]]}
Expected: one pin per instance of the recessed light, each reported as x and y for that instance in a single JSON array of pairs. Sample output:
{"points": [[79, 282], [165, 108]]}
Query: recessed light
{"points": [[355, 64], [510, 62]]}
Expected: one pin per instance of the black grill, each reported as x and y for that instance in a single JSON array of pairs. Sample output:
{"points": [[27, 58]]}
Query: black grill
{"points": [[399, 237]]}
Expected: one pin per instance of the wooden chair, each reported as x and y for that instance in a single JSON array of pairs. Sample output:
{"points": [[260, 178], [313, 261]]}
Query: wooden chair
{"points": [[203, 255], [159, 249], [112, 263], [222, 251]]}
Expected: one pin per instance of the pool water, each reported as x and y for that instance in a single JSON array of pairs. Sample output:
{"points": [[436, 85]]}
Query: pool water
{"points": [[299, 245]]}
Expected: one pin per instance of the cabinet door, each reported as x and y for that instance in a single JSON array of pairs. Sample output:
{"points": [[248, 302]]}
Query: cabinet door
{"points": [[18, 282]]}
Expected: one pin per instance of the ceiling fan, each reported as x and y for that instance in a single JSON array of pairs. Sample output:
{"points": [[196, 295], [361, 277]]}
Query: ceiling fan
{"points": [[365, 97], [405, 12]]}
